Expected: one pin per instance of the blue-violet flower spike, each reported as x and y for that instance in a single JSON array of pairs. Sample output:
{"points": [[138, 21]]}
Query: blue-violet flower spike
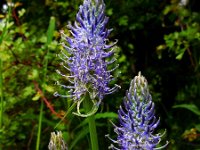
{"points": [[88, 55], [137, 119]]}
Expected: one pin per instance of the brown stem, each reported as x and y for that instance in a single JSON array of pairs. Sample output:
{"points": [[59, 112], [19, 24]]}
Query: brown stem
{"points": [[188, 49], [191, 59], [46, 101]]}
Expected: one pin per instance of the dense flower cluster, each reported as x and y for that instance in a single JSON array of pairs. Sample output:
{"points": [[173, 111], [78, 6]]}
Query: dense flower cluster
{"points": [[57, 142], [89, 53], [137, 119]]}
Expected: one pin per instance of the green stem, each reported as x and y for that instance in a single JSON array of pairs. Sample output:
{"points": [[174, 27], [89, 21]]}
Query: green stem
{"points": [[1, 91], [2, 35], [91, 122], [50, 32], [39, 126]]}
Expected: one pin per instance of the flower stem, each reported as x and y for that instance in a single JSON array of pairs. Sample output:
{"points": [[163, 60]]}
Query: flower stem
{"points": [[1, 92], [50, 32], [91, 122], [39, 126], [1, 103]]}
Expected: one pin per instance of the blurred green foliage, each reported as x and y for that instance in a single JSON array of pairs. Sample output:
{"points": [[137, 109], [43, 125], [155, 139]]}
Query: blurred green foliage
{"points": [[161, 38]]}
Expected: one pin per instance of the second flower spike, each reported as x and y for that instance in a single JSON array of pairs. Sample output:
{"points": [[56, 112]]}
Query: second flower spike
{"points": [[137, 119]]}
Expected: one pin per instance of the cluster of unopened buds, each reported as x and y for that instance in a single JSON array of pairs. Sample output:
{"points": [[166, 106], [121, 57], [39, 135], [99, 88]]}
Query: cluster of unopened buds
{"points": [[57, 142]]}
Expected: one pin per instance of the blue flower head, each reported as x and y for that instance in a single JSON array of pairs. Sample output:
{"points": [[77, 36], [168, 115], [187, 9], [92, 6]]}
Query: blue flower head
{"points": [[137, 119], [88, 55]]}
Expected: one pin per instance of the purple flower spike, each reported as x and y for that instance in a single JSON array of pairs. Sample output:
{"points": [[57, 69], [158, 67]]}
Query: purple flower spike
{"points": [[137, 119], [88, 55]]}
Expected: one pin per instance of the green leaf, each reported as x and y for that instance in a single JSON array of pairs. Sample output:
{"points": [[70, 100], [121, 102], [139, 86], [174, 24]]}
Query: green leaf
{"points": [[4, 55], [198, 127], [48, 88], [180, 55], [33, 75], [122, 59], [193, 108], [28, 91], [21, 12], [36, 97], [106, 115], [169, 43], [110, 12], [5, 27], [123, 21], [167, 10], [50, 30]]}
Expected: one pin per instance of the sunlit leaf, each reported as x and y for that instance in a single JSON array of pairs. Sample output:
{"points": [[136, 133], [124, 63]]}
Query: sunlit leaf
{"points": [[36, 97]]}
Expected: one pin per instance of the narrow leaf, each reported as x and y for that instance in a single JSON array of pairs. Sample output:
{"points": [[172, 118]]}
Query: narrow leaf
{"points": [[50, 30], [106, 115], [193, 108]]}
